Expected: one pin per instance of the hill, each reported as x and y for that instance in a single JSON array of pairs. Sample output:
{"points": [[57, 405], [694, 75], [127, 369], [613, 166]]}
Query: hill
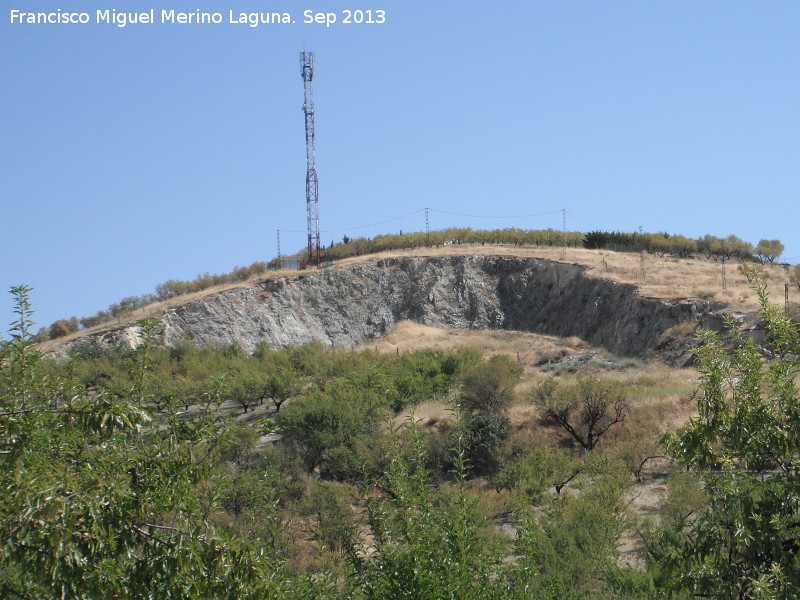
{"points": [[521, 429], [589, 294]]}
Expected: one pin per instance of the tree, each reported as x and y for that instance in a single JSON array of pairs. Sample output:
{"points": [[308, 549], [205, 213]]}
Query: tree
{"points": [[586, 409], [769, 250], [246, 390], [709, 245], [283, 383], [745, 443], [427, 543], [104, 498], [735, 246], [487, 388], [794, 276], [658, 243], [682, 246], [63, 327], [324, 426], [486, 393], [543, 468]]}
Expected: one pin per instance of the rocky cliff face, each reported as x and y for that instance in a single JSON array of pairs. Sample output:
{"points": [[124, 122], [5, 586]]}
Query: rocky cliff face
{"points": [[348, 306]]}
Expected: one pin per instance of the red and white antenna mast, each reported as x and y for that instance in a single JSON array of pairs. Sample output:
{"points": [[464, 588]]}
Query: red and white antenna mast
{"points": [[312, 185]]}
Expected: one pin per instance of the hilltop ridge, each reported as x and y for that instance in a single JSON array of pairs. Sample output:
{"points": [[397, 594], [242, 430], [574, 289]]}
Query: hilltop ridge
{"points": [[465, 288]]}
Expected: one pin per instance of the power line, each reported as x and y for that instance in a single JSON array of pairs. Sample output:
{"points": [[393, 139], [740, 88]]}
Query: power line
{"points": [[444, 212], [416, 212], [579, 220]]}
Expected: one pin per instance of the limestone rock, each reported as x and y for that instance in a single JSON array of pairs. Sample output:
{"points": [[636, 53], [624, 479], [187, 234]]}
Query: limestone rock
{"points": [[347, 306]]}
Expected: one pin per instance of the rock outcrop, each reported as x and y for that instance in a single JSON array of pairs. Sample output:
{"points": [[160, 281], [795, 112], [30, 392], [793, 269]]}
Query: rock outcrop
{"points": [[350, 305]]}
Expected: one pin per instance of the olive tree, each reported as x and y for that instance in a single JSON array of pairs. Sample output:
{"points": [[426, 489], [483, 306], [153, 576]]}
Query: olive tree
{"points": [[769, 250]]}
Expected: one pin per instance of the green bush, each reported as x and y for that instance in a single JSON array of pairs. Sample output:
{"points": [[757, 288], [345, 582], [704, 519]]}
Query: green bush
{"points": [[427, 543], [323, 426], [570, 551], [745, 443], [488, 388], [483, 439], [542, 469], [104, 497]]}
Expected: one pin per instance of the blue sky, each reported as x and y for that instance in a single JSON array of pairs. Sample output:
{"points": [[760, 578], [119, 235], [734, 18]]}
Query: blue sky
{"points": [[152, 152]]}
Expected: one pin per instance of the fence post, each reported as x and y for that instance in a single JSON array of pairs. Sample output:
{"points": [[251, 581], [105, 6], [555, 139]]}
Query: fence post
{"points": [[786, 295]]}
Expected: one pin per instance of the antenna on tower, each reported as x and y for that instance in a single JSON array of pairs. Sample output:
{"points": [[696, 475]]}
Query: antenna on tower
{"points": [[312, 185]]}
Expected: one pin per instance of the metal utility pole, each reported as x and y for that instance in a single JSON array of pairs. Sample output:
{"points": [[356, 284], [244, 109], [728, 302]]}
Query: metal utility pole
{"points": [[724, 278], [427, 230], [641, 253], [312, 185], [279, 243], [786, 296]]}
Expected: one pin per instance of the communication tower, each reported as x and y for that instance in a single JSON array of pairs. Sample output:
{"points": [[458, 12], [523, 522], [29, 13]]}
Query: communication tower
{"points": [[312, 185]]}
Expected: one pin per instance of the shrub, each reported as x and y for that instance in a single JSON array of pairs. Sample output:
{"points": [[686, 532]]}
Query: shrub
{"points": [[427, 543], [487, 388], [63, 327], [745, 441], [542, 469], [323, 423], [586, 409], [484, 435]]}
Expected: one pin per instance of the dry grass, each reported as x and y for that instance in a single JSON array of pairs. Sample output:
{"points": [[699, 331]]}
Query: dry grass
{"points": [[152, 311], [427, 414], [663, 278], [659, 395], [522, 347]]}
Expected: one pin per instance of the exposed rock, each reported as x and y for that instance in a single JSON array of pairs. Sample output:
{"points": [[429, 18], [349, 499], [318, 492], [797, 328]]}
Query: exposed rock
{"points": [[348, 306]]}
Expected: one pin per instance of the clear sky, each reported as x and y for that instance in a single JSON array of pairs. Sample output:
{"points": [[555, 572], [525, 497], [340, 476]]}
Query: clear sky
{"points": [[135, 155]]}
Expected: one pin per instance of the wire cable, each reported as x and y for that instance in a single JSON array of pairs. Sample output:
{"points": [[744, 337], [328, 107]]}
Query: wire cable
{"points": [[444, 212], [579, 220], [411, 214]]}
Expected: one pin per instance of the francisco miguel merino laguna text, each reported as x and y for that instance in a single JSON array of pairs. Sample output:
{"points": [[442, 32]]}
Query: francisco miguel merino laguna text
{"points": [[122, 18]]}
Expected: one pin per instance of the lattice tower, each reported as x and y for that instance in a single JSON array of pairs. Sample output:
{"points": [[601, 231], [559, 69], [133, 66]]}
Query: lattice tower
{"points": [[312, 184]]}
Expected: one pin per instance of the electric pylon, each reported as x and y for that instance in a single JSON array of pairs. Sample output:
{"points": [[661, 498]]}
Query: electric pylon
{"points": [[312, 185]]}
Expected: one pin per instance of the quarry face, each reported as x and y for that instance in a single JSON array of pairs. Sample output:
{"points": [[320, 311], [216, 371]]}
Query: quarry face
{"points": [[346, 306]]}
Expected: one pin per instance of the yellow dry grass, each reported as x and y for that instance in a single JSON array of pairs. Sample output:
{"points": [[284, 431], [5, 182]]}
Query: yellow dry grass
{"points": [[663, 278], [659, 394], [152, 311], [521, 346]]}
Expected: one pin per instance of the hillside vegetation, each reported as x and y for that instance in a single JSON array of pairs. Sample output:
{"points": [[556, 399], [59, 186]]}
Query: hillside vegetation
{"points": [[512, 241], [665, 277], [514, 468]]}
